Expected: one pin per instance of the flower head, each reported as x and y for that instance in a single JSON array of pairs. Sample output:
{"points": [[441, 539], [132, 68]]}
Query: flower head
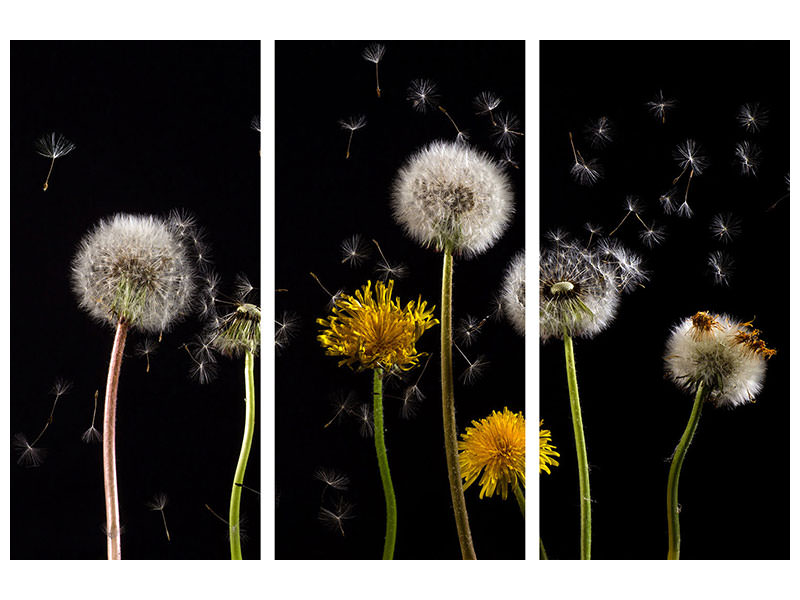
{"points": [[134, 268], [546, 451], [512, 296], [495, 446], [448, 194], [726, 356], [375, 332], [239, 331]]}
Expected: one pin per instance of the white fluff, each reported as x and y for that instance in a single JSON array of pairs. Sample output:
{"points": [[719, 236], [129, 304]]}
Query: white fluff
{"points": [[512, 296], [134, 267], [716, 359], [449, 194]]}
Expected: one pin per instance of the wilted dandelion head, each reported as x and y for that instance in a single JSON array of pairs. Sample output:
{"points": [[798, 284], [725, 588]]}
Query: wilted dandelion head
{"points": [[494, 450], [375, 332], [512, 295], [134, 268], [546, 451], [449, 195], [239, 332], [724, 355], [578, 293]]}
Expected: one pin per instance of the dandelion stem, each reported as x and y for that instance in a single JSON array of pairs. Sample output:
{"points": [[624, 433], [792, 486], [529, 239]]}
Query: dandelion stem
{"points": [[673, 510], [449, 411], [542, 553], [580, 448], [109, 444], [520, 496], [383, 466], [47, 179], [244, 454]]}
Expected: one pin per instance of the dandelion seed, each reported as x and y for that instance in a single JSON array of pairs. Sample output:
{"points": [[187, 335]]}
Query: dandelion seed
{"points": [[204, 369], [507, 130], [333, 297], [92, 435], [593, 231], [752, 117], [365, 422], [352, 124], [422, 94], [725, 226], [584, 172], [332, 479], [285, 329], [690, 158], [449, 195], [242, 287], [469, 328], [660, 105], [145, 348], [237, 530], [558, 237], [652, 236], [508, 159], [721, 266], [632, 207], [749, 156], [255, 123], [343, 405], [29, 455], [786, 195], [336, 517], [159, 502], [413, 396], [354, 250], [53, 145], [374, 53], [475, 368], [485, 103], [667, 201], [386, 270], [600, 132]]}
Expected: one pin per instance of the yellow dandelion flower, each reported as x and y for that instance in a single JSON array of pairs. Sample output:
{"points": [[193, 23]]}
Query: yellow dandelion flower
{"points": [[496, 447], [546, 450], [375, 332]]}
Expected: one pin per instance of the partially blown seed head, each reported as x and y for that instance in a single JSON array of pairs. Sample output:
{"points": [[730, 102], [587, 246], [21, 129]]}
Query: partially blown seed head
{"points": [[513, 293], [448, 194]]}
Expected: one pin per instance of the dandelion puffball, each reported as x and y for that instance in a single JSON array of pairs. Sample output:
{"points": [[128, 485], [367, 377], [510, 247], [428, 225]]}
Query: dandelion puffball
{"points": [[134, 268], [512, 295], [450, 195], [724, 355]]}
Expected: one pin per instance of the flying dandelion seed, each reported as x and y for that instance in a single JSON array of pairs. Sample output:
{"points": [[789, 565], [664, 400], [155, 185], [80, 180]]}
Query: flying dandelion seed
{"points": [[667, 201], [721, 267], [475, 368], [594, 230], [145, 348], [752, 117], [585, 173], [92, 434], [332, 479], [632, 207], [600, 132], [468, 329], [159, 502], [725, 227], [204, 368], [652, 235], [365, 422], [374, 53], [660, 105], [386, 270], [412, 395], [332, 297], [558, 237], [352, 124], [749, 157], [508, 159], [335, 518], [507, 130], [485, 103], [423, 95], [255, 123], [53, 145], [343, 405], [690, 158], [285, 329], [354, 250], [29, 455]]}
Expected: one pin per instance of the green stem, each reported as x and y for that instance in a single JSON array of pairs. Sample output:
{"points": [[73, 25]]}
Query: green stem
{"points": [[113, 542], [673, 510], [580, 448], [244, 454], [383, 466], [449, 412], [542, 553], [520, 496]]}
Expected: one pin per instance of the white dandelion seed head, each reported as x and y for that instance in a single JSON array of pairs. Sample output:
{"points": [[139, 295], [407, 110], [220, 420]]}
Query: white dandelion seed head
{"points": [[54, 145], [512, 294], [373, 53], [135, 268], [448, 194], [689, 154], [723, 354], [578, 293]]}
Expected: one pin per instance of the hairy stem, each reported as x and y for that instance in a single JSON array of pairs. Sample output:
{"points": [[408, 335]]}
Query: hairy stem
{"points": [[383, 466], [580, 448], [244, 454], [113, 543], [673, 510], [449, 412]]}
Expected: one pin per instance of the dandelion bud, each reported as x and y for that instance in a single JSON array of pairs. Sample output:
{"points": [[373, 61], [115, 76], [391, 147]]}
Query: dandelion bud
{"points": [[725, 356], [448, 194], [134, 268], [512, 296]]}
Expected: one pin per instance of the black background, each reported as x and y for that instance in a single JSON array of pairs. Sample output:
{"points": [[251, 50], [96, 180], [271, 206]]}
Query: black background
{"points": [[734, 489], [321, 199], [158, 125]]}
